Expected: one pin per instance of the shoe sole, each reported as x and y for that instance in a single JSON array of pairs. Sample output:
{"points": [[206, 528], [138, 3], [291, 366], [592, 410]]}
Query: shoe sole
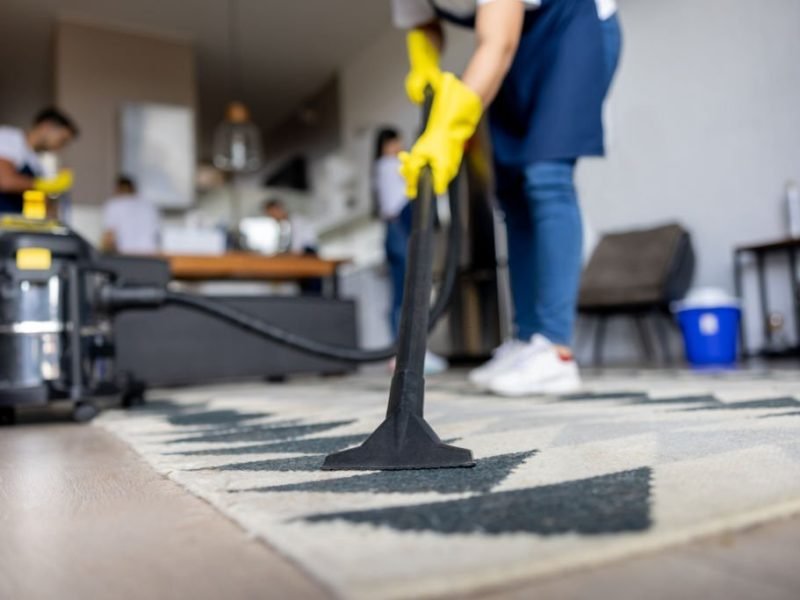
{"points": [[480, 384], [484, 382], [543, 390]]}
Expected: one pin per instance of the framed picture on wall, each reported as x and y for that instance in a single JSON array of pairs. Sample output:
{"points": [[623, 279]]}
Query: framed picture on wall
{"points": [[158, 152]]}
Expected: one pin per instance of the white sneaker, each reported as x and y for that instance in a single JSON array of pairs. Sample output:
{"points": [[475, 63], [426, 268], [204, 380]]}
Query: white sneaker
{"points": [[502, 358], [435, 364], [538, 369]]}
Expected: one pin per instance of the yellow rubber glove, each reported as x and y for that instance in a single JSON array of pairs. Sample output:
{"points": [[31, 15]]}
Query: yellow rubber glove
{"points": [[455, 115], [55, 185], [423, 57]]}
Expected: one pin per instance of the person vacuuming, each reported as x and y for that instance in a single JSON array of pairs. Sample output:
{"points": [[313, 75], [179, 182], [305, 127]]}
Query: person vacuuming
{"points": [[543, 67]]}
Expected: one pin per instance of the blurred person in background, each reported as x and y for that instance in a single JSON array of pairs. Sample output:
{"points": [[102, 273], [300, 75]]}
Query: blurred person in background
{"points": [[395, 210], [301, 239], [20, 165], [131, 222]]}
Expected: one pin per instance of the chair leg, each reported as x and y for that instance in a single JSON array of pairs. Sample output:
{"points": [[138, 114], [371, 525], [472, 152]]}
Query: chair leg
{"points": [[663, 337], [599, 341], [644, 338]]}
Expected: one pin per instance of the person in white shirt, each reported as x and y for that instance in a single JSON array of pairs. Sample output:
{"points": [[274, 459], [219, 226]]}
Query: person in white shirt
{"points": [[20, 167], [542, 68], [303, 239], [395, 211], [132, 223]]}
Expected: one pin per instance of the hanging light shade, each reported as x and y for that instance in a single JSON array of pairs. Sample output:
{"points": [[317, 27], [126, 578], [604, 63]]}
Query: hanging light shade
{"points": [[237, 141]]}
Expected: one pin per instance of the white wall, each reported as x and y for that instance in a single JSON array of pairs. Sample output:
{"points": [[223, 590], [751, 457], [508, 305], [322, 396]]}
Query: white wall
{"points": [[703, 124]]}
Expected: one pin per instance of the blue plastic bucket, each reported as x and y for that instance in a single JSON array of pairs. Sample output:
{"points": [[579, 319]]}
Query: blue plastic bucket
{"points": [[711, 335]]}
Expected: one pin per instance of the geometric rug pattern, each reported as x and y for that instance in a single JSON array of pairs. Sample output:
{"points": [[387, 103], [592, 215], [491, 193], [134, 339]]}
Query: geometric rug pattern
{"points": [[636, 462]]}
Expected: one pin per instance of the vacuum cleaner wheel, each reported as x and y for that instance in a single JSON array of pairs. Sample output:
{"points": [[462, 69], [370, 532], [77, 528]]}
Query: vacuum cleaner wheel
{"points": [[8, 415], [83, 412]]}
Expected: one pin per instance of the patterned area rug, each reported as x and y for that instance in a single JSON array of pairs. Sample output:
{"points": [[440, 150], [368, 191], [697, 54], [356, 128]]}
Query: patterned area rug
{"points": [[638, 462]]}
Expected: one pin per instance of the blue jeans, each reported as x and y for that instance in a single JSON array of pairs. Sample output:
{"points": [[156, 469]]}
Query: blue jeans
{"points": [[545, 232], [398, 231], [545, 246]]}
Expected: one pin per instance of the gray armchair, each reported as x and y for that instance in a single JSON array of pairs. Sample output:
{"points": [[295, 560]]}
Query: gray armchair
{"points": [[637, 274]]}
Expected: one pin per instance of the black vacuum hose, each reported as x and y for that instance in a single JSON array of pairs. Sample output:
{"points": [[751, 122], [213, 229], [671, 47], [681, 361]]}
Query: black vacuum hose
{"points": [[453, 257], [276, 334]]}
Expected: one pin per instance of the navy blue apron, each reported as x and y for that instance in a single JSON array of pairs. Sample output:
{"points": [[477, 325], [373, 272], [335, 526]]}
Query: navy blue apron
{"points": [[12, 203], [551, 102]]}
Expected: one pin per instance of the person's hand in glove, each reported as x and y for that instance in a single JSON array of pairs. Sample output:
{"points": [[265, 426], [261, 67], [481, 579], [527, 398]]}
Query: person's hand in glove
{"points": [[423, 57], [454, 117], [54, 186], [458, 105]]}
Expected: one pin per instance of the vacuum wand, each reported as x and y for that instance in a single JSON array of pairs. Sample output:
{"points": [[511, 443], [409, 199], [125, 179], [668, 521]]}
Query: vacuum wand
{"points": [[405, 440]]}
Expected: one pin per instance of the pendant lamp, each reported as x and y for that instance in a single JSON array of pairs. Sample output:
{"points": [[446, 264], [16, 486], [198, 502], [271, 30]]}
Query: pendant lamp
{"points": [[237, 140]]}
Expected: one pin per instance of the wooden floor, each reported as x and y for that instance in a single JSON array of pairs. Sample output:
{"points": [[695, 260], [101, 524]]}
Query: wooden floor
{"points": [[82, 516]]}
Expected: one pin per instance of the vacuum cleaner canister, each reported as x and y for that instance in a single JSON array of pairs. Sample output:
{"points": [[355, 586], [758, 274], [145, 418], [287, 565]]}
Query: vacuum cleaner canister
{"points": [[50, 338]]}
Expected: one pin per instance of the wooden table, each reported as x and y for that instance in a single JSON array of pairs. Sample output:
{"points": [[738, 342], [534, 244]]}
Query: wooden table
{"points": [[240, 266]]}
